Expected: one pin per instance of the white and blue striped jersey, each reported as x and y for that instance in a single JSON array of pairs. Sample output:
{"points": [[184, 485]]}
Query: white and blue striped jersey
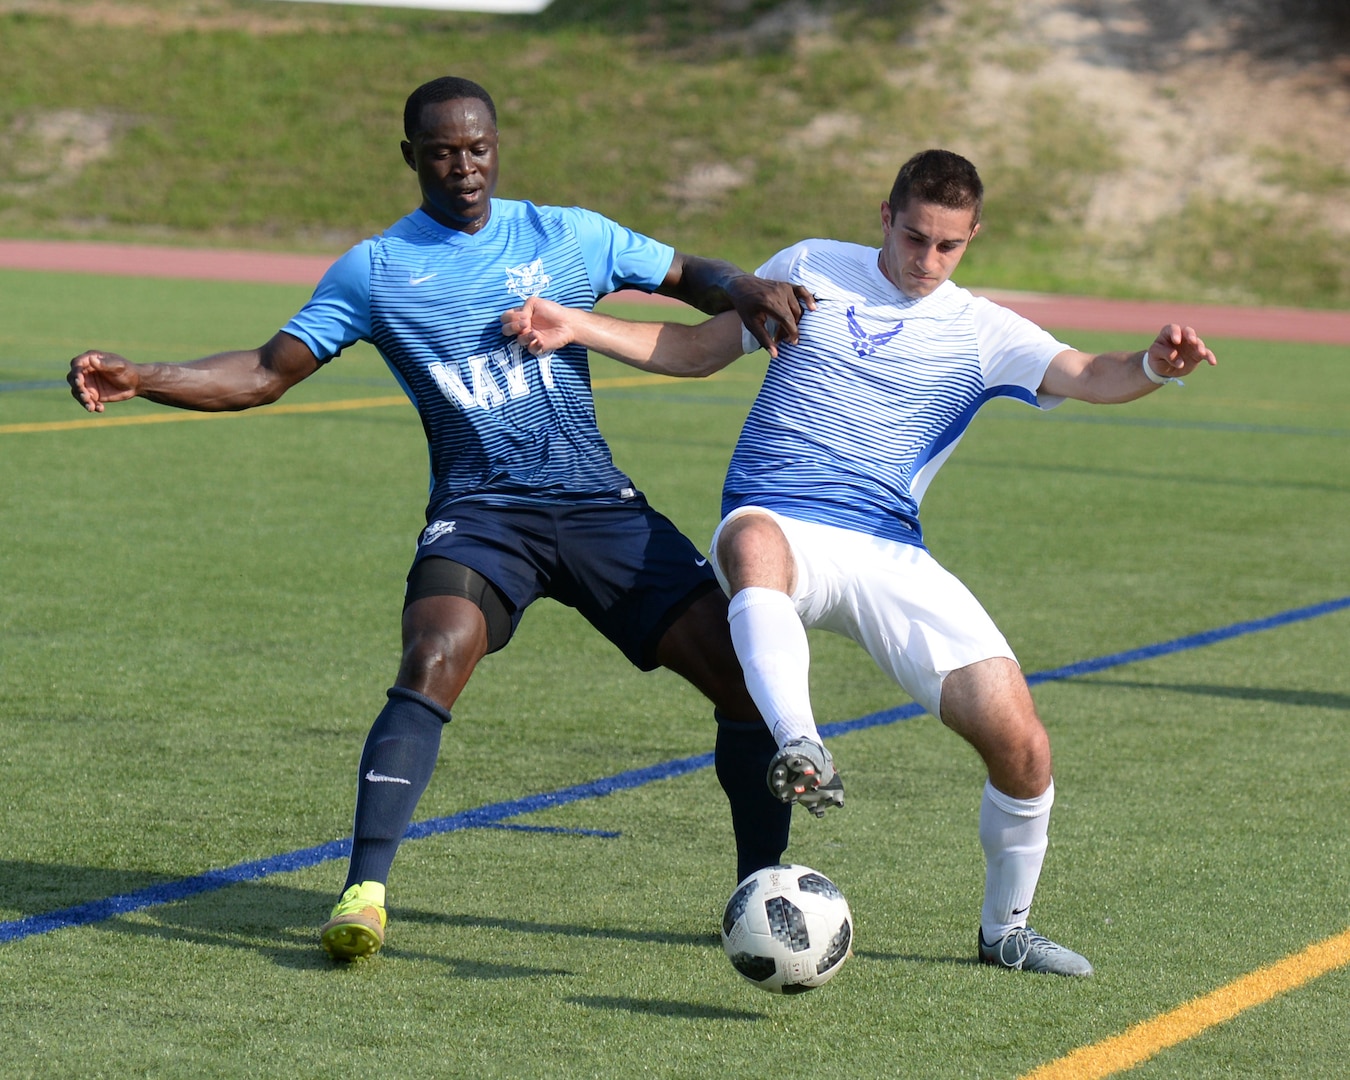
{"points": [[500, 423], [853, 421]]}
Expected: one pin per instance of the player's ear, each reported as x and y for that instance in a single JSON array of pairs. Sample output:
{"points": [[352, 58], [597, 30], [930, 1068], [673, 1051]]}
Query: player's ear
{"points": [[885, 217], [407, 149], [974, 232]]}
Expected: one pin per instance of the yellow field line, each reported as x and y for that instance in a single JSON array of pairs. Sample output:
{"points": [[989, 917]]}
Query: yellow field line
{"points": [[636, 380], [91, 422], [1142, 1041]]}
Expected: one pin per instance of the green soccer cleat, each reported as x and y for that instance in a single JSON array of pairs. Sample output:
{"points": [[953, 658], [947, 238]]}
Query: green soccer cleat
{"points": [[356, 928], [1023, 949]]}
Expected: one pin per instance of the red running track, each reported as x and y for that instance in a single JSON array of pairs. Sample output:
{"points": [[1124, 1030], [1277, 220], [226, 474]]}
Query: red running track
{"points": [[1060, 312]]}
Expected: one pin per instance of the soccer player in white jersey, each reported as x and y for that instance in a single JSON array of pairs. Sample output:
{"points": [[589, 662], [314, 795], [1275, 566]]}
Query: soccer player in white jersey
{"points": [[820, 508], [525, 500]]}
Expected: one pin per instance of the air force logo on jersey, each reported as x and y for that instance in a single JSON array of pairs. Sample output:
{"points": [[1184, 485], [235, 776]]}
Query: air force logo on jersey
{"points": [[527, 280], [865, 344]]}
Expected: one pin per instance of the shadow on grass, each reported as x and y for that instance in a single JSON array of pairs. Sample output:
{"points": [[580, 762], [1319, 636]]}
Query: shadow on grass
{"points": [[524, 926], [915, 958], [279, 922], [35, 888], [678, 1010], [1317, 699], [299, 950]]}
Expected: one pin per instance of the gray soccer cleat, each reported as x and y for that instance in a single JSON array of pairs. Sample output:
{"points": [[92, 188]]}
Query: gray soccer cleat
{"points": [[803, 772], [1022, 949]]}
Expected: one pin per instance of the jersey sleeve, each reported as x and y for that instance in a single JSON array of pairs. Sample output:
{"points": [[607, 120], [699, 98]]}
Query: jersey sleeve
{"points": [[779, 267], [1014, 351], [338, 314], [616, 256]]}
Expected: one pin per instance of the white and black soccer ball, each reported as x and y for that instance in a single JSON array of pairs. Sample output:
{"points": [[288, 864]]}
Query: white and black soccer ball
{"points": [[787, 929]]}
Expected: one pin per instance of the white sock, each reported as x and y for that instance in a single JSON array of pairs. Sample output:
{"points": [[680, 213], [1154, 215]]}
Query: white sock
{"points": [[1014, 835], [771, 645]]}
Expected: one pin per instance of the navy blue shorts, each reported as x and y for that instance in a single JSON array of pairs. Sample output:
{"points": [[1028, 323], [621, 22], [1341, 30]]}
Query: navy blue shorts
{"points": [[626, 568]]}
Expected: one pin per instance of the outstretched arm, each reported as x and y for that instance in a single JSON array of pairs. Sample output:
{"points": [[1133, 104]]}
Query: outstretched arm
{"points": [[1110, 378], [770, 310], [661, 348], [227, 381]]}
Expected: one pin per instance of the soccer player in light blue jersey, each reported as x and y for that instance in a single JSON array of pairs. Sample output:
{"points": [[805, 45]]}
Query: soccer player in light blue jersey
{"points": [[820, 507], [525, 499]]}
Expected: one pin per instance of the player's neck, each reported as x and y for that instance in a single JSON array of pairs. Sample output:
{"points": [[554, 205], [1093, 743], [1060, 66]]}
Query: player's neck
{"points": [[468, 226]]}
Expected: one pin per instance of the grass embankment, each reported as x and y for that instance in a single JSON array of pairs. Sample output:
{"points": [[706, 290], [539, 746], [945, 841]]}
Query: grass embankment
{"points": [[242, 122]]}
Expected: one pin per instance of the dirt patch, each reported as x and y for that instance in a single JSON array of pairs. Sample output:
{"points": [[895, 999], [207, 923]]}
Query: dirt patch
{"points": [[706, 183], [42, 150], [1186, 109]]}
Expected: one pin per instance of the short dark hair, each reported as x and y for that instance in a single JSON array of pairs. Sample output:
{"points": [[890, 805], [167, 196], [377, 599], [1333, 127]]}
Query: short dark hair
{"points": [[446, 88], [939, 177]]}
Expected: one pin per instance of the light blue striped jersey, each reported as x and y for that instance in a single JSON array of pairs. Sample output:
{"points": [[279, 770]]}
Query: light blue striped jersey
{"points": [[853, 421], [500, 422]]}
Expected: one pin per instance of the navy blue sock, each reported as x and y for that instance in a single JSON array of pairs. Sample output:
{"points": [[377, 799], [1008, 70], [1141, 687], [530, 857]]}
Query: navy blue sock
{"points": [[759, 821], [396, 766]]}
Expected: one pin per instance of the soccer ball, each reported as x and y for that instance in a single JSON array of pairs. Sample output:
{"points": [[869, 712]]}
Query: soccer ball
{"points": [[787, 929]]}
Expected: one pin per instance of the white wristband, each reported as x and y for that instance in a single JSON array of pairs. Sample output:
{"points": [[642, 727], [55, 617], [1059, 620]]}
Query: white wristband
{"points": [[1154, 377]]}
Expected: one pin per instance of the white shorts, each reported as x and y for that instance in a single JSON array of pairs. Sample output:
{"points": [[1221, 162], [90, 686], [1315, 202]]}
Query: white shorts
{"points": [[915, 619]]}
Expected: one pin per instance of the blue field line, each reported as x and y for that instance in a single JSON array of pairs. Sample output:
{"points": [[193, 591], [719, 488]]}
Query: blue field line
{"points": [[494, 815], [38, 384], [1191, 641]]}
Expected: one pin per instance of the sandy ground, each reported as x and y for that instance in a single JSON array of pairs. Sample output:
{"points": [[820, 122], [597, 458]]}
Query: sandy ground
{"points": [[1188, 109]]}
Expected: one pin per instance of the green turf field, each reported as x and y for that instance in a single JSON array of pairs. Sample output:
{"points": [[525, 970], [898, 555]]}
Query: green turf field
{"points": [[200, 619]]}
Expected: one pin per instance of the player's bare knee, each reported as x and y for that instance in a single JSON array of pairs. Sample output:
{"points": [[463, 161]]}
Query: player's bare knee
{"points": [[988, 704], [1030, 764], [752, 551], [438, 664]]}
